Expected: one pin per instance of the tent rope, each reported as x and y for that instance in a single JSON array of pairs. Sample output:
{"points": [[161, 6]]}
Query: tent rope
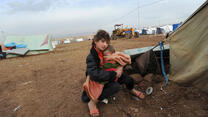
{"points": [[161, 58], [162, 62]]}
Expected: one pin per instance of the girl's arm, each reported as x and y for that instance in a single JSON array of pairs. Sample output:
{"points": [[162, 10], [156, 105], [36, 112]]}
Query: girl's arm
{"points": [[119, 71]]}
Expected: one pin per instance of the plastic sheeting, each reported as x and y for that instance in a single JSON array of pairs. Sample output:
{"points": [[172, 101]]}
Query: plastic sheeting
{"points": [[18, 51]]}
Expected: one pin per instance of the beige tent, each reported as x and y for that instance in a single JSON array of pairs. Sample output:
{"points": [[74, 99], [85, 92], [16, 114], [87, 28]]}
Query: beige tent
{"points": [[189, 50]]}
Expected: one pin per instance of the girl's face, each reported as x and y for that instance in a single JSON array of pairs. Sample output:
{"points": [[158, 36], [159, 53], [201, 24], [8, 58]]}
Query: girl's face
{"points": [[101, 44]]}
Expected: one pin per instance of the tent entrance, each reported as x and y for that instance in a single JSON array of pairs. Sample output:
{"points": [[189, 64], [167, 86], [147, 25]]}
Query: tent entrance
{"points": [[149, 62]]}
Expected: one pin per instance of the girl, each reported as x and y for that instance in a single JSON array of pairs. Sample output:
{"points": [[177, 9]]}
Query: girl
{"points": [[96, 73]]}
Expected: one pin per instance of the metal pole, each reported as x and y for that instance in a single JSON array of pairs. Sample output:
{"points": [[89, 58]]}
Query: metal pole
{"points": [[138, 16]]}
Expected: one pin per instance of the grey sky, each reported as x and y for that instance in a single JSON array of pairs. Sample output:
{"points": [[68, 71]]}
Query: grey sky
{"points": [[22, 17]]}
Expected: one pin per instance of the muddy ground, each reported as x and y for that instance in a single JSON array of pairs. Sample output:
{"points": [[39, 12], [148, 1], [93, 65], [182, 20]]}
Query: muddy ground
{"points": [[49, 85]]}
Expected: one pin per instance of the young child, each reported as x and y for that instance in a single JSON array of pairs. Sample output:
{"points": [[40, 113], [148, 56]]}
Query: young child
{"points": [[113, 59]]}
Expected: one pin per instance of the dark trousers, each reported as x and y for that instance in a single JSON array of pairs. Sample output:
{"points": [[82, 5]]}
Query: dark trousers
{"points": [[127, 80], [112, 87], [109, 90]]}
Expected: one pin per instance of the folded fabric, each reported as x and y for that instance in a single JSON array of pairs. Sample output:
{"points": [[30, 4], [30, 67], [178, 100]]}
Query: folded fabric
{"points": [[92, 88]]}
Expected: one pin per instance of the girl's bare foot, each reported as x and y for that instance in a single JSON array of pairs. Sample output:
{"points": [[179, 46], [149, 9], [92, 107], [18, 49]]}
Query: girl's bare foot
{"points": [[94, 112], [137, 93]]}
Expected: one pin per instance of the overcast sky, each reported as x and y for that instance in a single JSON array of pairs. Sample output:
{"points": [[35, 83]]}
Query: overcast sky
{"points": [[25, 17]]}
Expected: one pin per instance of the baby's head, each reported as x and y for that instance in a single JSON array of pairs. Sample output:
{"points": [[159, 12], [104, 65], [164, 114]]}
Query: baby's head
{"points": [[109, 50]]}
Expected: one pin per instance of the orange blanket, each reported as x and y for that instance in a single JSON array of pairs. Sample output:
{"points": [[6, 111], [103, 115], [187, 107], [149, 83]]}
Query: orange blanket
{"points": [[92, 88]]}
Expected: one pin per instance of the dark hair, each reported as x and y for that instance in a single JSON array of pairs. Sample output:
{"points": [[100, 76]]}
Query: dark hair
{"points": [[101, 34], [110, 48]]}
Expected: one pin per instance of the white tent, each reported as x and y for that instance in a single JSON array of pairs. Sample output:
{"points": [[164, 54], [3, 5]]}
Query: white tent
{"points": [[54, 43], [167, 28], [79, 40], [151, 30], [67, 41]]}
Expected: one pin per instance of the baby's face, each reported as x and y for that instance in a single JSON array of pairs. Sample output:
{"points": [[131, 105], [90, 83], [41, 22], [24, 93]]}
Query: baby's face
{"points": [[107, 53]]}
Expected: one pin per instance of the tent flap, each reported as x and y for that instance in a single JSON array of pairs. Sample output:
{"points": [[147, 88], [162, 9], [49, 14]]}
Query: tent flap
{"points": [[189, 50]]}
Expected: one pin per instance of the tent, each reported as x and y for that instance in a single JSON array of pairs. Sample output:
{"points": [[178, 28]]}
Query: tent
{"points": [[54, 43], [144, 32], [159, 30], [167, 28], [79, 40], [35, 43], [189, 50], [151, 30], [67, 41]]}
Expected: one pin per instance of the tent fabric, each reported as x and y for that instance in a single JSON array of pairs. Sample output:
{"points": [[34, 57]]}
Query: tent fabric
{"points": [[18, 51], [137, 51], [189, 50], [33, 42], [143, 61]]}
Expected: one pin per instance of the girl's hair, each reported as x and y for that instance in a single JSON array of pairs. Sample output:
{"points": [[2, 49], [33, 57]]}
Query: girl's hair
{"points": [[101, 34]]}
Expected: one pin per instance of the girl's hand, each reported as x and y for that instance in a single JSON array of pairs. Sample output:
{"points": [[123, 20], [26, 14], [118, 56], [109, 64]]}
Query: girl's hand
{"points": [[119, 71]]}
